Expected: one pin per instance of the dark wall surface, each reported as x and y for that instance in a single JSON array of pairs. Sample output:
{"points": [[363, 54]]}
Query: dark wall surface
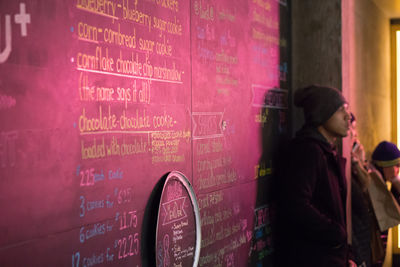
{"points": [[100, 100]]}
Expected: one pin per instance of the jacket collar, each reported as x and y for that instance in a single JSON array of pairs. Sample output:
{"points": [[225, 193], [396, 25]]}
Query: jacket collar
{"points": [[309, 132]]}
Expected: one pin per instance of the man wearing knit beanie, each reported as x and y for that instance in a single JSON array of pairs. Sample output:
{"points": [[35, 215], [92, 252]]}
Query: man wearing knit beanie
{"points": [[311, 206], [386, 159]]}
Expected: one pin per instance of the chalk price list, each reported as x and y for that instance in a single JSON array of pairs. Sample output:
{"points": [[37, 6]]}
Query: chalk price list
{"points": [[123, 224]]}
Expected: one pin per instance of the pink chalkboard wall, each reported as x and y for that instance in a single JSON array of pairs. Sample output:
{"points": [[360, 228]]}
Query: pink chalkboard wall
{"points": [[99, 100]]}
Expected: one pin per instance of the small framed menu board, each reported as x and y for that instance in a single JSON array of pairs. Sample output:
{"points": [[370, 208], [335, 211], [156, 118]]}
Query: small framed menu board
{"points": [[178, 224]]}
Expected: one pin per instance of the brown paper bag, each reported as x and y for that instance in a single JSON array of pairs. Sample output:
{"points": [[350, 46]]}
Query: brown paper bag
{"points": [[386, 209]]}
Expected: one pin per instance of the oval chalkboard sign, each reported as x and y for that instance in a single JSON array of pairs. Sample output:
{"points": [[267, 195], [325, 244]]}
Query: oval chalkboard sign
{"points": [[178, 224]]}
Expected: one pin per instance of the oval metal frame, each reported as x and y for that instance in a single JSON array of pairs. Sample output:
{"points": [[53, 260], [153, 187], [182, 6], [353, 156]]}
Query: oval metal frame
{"points": [[185, 182]]}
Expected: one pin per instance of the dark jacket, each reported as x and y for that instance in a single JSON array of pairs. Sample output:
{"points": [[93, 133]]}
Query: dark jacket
{"points": [[362, 223], [311, 206]]}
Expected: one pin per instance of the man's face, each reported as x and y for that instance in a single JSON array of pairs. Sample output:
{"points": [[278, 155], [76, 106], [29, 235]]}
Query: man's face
{"points": [[339, 123], [390, 172]]}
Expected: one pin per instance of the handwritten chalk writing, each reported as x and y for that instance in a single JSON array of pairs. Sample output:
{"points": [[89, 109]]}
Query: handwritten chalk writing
{"points": [[263, 4], [207, 219], [218, 217], [226, 39], [262, 117], [211, 180], [164, 48], [125, 195], [177, 235], [96, 230], [174, 191], [265, 38], [105, 7], [75, 259], [163, 121], [8, 148], [213, 258], [128, 220], [135, 146], [225, 80], [260, 56], [86, 93], [204, 165], [171, 135], [210, 199], [87, 32], [129, 66], [180, 254], [118, 38], [172, 27], [226, 15], [165, 145], [101, 123], [94, 150], [87, 177], [206, 13], [96, 62], [262, 170], [174, 210], [207, 33], [209, 147], [147, 68], [225, 231], [95, 259], [225, 58], [109, 203], [205, 53], [94, 204], [109, 255], [114, 148], [179, 225], [221, 68], [172, 5], [167, 158], [203, 148], [82, 206], [159, 24], [117, 174], [207, 124], [133, 14], [144, 92], [166, 73], [126, 95], [265, 20], [108, 122], [7, 102], [131, 243], [137, 122], [146, 45]]}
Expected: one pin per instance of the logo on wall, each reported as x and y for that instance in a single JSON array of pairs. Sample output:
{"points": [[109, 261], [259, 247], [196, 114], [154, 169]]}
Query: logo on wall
{"points": [[22, 18]]}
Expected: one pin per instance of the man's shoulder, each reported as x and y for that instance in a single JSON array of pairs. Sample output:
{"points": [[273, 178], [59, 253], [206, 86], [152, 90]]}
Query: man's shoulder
{"points": [[306, 143]]}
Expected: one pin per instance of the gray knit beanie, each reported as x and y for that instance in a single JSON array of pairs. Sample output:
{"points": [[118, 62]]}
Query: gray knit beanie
{"points": [[318, 103]]}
